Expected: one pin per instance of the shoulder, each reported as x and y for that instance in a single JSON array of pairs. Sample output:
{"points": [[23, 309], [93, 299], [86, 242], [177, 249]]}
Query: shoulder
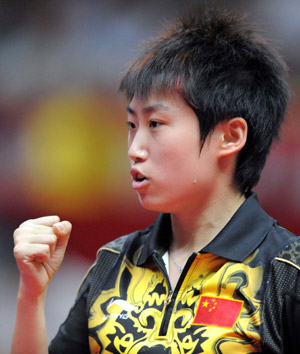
{"points": [[125, 244], [109, 259], [279, 243], [291, 251], [116, 245], [281, 306], [284, 269]]}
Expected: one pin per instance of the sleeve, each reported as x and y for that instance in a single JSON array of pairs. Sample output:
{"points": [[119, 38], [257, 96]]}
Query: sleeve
{"points": [[291, 322], [72, 336], [281, 305]]}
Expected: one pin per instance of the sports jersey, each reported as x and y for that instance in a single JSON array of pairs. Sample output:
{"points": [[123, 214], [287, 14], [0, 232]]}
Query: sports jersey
{"points": [[239, 294]]}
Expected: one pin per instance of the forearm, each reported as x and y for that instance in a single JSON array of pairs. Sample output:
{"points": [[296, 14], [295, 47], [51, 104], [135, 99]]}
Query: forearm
{"points": [[40, 246], [30, 336]]}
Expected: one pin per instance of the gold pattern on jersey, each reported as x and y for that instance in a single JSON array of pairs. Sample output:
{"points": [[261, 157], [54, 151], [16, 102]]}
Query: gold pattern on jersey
{"points": [[128, 317]]}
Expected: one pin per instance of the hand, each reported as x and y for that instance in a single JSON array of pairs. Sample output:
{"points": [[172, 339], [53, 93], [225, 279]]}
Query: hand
{"points": [[40, 246]]}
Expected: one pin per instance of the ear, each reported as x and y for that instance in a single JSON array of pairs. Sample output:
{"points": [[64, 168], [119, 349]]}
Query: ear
{"points": [[234, 136]]}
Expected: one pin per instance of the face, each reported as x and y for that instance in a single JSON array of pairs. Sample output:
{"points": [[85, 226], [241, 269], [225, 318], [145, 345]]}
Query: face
{"points": [[169, 172]]}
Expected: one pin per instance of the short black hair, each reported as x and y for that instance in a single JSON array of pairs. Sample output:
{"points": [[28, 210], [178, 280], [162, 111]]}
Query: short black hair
{"points": [[223, 68]]}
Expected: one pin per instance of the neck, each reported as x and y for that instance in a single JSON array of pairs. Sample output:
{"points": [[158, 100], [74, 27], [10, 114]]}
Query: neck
{"points": [[194, 229]]}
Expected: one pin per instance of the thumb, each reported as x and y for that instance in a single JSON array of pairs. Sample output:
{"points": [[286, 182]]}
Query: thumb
{"points": [[62, 230]]}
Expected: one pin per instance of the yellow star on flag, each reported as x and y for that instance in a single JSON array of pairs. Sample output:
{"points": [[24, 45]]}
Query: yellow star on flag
{"points": [[205, 303]]}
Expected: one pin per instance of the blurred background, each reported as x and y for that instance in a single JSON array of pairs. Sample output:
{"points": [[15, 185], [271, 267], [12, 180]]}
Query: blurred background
{"points": [[62, 134]]}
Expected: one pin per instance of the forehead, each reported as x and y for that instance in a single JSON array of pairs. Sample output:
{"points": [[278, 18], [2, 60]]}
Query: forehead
{"points": [[157, 102]]}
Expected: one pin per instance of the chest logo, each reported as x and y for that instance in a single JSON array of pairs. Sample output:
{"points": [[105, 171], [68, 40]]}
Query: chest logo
{"points": [[217, 312], [119, 309]]}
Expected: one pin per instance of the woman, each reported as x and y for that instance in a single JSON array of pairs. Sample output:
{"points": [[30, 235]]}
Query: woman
{"points": [[214, 273]]}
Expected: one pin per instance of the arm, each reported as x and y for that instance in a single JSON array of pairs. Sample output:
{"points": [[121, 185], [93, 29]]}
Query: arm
{"points": [[40, 246]]}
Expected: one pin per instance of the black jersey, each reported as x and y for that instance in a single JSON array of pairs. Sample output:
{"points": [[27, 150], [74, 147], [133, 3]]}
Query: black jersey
{"points": [[239, 294]]}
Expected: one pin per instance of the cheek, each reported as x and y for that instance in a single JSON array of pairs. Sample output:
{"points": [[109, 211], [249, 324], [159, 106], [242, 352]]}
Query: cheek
{"points": [[177, 154], [177, 166], [183, 143]]}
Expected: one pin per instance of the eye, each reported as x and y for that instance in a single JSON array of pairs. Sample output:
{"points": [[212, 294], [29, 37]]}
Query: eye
{"points": [[130, 125], [154, 124]]}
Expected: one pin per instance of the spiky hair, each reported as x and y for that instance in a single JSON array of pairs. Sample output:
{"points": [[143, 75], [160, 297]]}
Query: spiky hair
{"points": [[223, 68]]}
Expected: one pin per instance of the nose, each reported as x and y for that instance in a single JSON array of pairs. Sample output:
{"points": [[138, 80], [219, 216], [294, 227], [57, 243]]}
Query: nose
{"points": [[137, 148]]}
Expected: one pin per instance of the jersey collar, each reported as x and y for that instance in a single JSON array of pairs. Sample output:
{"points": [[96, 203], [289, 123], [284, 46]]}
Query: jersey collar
{"points": [[237, 240]]}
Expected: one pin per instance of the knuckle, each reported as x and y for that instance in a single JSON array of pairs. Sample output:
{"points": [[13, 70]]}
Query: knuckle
{"points": [[29, 221], [17, 235], [17, 251]]}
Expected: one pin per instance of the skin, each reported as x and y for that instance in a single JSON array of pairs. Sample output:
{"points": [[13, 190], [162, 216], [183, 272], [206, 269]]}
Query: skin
{"points": [[195, 187], [40, 246]]}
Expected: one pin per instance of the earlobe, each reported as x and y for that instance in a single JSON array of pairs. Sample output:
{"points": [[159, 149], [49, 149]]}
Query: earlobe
{"points": [[234, 136]]}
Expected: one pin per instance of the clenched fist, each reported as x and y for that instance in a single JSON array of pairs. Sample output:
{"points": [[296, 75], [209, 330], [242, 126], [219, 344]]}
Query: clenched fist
{"points": [[40, 246]]}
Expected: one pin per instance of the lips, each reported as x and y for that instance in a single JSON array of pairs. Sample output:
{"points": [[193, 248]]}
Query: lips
{"points": [[139, 180], [139, 177]]}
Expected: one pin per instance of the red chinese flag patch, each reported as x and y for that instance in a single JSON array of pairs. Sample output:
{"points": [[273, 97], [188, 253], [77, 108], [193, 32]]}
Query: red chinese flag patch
{"points": [[218, 312]]}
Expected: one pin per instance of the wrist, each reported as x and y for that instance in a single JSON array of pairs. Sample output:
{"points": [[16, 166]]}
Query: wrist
{"points": [[31, 295]]}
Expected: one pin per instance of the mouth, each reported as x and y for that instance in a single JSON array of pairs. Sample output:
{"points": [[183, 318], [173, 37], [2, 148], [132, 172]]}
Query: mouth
{"points": [[138, 179]]}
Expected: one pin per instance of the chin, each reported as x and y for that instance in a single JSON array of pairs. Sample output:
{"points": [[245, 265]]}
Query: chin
{"points": [[152, 204]]}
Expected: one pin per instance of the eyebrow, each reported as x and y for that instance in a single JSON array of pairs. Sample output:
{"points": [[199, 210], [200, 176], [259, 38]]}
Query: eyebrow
{"points": [[149, 109]]}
